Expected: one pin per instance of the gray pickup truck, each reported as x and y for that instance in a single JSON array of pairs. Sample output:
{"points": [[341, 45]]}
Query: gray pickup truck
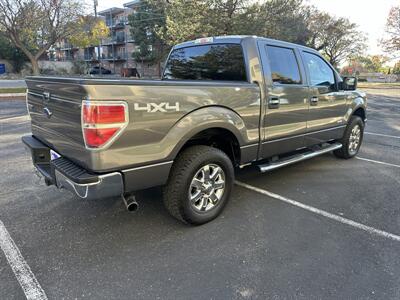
{"points": [[223, 103]]}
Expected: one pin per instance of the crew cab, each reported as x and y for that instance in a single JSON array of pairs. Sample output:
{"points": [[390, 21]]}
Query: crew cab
{"points": [[223, 103]]}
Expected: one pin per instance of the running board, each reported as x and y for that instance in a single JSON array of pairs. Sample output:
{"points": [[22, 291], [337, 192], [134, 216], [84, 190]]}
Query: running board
{"points": [[299, 157]]}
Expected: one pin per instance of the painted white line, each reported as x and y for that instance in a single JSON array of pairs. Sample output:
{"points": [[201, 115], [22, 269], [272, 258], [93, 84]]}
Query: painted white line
{"points": [[378, 162], [18, 118], [323, 213], [385, 135], [22, 271]]}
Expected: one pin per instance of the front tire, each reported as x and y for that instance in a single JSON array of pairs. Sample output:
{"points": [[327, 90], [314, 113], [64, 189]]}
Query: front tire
{"points": [[199, 185], [352, 138]]}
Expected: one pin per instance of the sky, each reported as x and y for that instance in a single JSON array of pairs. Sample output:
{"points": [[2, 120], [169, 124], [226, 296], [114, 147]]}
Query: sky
{"points": [[370, 15]]}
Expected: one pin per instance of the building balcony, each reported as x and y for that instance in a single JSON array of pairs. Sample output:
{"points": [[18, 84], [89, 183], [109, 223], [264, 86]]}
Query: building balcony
{"points": [[116, 57], [114, 40], [90, 57], [116, 24], [67, 46]]}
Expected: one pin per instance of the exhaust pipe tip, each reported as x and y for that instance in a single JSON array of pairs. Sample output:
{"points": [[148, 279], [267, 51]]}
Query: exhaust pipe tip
{"points": [[130, 203], [132, 207]]}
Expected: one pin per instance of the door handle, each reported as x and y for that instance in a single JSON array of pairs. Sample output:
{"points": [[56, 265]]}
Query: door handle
{"points": [[314, 100], [273, 102]]}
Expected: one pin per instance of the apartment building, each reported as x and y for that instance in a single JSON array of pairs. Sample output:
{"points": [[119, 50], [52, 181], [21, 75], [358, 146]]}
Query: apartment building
{"points": [[115, 51]]}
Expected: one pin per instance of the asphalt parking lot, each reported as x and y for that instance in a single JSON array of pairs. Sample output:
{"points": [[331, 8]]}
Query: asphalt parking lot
{"points": [[261, 247]]}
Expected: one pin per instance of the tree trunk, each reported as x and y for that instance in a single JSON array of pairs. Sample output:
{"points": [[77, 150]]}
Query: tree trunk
{"points": [[159, 68], [35, 66], [32, 58]]}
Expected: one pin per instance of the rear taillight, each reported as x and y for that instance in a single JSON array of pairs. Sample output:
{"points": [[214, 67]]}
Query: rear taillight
{"points": [[102, 122]]}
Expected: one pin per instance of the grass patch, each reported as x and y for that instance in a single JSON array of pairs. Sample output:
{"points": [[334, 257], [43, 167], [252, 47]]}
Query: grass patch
{"points": [[12, 90]]}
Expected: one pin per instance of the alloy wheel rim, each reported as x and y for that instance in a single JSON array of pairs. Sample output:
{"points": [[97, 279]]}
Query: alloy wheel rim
{"points": [[354, 140], [207, 187]]}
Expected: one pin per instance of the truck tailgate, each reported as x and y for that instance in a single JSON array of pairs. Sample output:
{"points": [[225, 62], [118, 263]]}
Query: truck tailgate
{"points": [[55, 111]]}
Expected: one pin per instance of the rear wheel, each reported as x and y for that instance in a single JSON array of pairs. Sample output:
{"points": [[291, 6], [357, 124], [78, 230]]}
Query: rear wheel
{"points": [[199, 185], [351, 139]]}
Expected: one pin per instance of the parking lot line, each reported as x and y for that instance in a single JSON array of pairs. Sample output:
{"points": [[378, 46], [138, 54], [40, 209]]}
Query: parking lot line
{"points": [[320, 212], [17, 118], [378, 162], [21, 269], [385, 135]]}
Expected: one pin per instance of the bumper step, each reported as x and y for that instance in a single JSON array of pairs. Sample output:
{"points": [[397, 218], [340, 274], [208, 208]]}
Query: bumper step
{"points": [[72, 171], [63, 173], [298, 157]]}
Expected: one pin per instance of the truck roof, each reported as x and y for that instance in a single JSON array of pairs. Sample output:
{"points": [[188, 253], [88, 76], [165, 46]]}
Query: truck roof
{"points": [[237, 39]]}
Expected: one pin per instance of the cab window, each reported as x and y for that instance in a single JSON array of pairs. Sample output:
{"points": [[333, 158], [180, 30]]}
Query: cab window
{"points": [[284, 66], [320, 72], [207, 62]]}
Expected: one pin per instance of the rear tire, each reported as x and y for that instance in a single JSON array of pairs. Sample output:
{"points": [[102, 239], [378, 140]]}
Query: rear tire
{"points": [[199, 185], [352, 139]]}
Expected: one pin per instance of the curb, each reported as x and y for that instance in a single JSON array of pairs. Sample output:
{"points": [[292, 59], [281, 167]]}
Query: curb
{"points": [[13, 97]]}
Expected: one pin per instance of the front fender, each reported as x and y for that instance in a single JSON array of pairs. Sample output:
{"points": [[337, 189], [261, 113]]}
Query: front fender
{"points": [[355, 100]]}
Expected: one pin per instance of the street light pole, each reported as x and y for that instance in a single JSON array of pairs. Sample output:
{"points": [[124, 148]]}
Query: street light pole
{"points": [[95, 2]]}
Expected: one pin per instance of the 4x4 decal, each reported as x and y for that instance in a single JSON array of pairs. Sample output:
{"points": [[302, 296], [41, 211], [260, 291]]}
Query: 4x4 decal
{"points": [[156, 107]]}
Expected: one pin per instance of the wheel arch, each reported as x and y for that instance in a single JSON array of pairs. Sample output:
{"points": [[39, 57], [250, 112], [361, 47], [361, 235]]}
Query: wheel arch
{"points": [[361, 112], [217, 137], [213, 126], [357, 107]]}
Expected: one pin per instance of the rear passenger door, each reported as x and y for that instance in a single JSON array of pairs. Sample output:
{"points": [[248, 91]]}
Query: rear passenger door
{"points": [[327, 104], [286, 108]]}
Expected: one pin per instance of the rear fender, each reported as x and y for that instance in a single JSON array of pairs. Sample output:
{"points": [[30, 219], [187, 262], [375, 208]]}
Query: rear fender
{"points": [[207, 118]]}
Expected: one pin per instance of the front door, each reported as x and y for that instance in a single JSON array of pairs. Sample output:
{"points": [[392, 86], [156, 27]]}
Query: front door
{"points": [[286, 107], [326, 117]]}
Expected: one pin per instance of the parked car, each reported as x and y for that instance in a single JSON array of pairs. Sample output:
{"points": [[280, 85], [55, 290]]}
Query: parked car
{"points": [[96, 70], [223, 103]]}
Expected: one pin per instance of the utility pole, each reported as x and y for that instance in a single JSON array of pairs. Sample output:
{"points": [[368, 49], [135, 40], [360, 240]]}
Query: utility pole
{"points": [[95, 2]]}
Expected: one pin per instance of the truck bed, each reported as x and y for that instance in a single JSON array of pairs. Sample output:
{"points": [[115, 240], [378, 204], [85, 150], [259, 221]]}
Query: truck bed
{"points": [[158, 111]]}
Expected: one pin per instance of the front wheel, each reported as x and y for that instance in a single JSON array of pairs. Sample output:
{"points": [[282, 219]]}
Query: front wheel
{"points": [[351, 139], [199, 185]]}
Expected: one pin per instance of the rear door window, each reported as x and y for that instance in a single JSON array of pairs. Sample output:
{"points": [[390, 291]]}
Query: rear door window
{"points": [[284, 66], [207, 62]]}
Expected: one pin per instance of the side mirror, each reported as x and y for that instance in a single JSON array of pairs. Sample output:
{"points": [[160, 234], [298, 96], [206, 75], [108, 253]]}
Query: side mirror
{"points": [[348, 84]]}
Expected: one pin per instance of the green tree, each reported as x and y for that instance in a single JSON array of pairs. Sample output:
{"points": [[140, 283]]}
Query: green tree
{"points": [[88, 31], [147, 30], [396, 68], [392, 42], [336, 38], [9, 52], [288, 20], [188, 20], [283, 20], [34, 26], [374, 63], [367, 64]]}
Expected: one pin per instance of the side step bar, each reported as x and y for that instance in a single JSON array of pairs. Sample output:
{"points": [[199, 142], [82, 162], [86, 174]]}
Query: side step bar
{"points": [[299, 157]]}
